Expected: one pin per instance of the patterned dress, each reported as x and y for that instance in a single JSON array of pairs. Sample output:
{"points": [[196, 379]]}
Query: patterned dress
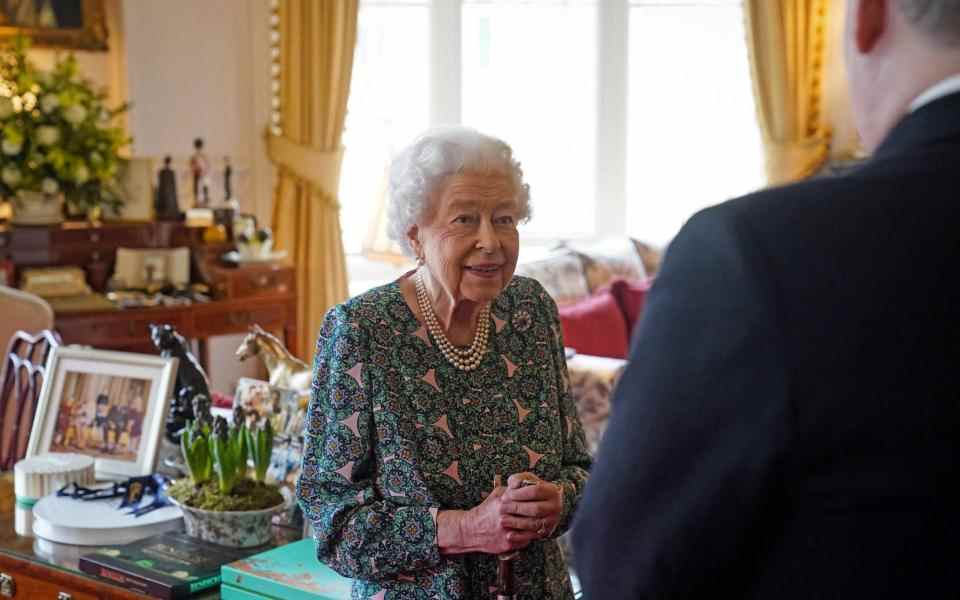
{"points": [[395, 434]]}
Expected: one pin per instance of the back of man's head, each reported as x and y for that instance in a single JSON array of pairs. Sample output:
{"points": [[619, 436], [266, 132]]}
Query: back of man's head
{"points": [[940, 19]]}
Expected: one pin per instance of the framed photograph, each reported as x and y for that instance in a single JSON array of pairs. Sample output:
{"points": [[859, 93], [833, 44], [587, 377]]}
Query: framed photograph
{"points": [[138, 268], [287, 410], [108, 405], [70, 24]]}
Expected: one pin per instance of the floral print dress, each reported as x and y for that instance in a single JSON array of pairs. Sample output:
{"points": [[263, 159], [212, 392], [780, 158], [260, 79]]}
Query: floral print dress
{"points": [[395, 434]]}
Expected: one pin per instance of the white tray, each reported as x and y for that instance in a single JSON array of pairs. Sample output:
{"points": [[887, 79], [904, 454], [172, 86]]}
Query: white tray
{"points": [[99, 522]]}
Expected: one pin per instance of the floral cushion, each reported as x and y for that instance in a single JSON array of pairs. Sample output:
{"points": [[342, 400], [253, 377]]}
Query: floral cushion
{"points": [[607, 259], [561, 274]]}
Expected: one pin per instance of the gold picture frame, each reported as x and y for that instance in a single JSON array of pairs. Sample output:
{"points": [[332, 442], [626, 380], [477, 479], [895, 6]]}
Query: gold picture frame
{"points": [[66, 24]]}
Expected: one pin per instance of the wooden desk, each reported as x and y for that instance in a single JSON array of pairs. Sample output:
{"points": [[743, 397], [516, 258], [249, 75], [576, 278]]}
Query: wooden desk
{"points": [[128, 329], [47, 570], [261, 293]]}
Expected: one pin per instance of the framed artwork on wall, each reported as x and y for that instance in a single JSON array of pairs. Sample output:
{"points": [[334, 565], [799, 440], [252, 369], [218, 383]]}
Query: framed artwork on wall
{"points": [[69, 24], [108, 405]]}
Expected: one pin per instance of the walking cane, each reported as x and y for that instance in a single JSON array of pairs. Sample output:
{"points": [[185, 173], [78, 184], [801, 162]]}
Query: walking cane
{"points": [[506, 584]]}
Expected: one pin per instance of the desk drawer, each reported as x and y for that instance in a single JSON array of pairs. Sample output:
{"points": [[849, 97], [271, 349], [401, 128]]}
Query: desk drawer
{"points": [[239, 318], [24, 586], [261, 282], [115, 329]]}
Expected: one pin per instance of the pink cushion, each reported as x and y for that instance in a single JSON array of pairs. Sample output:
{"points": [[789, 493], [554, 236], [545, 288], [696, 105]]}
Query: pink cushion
{"points": [[595, 326], [631, 296]]}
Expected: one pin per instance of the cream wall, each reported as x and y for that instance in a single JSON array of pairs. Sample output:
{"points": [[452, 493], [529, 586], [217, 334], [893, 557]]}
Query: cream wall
{"points": [[193, 68], [200, 69]]}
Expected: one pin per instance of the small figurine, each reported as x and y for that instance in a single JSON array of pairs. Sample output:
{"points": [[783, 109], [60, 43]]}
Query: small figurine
{"points": [[227, 175], [286, 370], [189, 371], [166, 206], [200, 167]]}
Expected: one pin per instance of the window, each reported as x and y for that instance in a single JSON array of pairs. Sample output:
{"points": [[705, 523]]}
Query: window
{"points": [[627, 115], [692, 137]]}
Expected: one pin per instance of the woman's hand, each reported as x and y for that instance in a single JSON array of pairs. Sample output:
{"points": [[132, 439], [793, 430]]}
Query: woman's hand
{"points": [[531, 504], [483, 528]]}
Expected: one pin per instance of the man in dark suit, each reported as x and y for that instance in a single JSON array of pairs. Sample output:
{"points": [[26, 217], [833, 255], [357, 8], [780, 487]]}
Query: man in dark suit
{"points": [[788, 425]]}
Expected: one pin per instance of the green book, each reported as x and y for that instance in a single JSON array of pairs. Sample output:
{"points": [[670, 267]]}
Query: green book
{"points": [[169, 565], [290, 572]]}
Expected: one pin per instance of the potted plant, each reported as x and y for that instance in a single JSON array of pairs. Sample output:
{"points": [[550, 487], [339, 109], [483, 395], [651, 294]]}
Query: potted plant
{"points": [[57, 140], [220, 503]]}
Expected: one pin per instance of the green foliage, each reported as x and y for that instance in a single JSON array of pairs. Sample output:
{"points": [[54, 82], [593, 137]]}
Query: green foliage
{"points": [[56, 132], [224, 449], [260, 443], [196, 452]]}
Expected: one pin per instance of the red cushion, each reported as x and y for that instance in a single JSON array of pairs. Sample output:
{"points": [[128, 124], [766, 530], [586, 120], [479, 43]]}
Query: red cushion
{"points": [[595, 326], [631, 295]]}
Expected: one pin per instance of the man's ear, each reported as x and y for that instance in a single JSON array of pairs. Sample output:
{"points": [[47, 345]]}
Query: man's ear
{"points": [[870, 23]]}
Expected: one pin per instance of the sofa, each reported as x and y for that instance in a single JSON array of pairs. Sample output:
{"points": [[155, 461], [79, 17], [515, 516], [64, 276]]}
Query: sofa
{"points": [[600, 288]]}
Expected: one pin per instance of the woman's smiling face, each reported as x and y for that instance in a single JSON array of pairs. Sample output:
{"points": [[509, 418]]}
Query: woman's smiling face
{"points": [[468, 237]]}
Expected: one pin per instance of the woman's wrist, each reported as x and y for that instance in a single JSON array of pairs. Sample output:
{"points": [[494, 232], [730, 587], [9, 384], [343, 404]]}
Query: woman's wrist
{"points": [[451, 535]]}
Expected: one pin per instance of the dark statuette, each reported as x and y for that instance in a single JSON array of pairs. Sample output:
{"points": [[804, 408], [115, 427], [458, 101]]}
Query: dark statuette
{"points": [[167, 208], [189, 372]]}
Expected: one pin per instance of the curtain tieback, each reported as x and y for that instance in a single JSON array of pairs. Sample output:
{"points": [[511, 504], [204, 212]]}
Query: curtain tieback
{"points": [[320, 168]]}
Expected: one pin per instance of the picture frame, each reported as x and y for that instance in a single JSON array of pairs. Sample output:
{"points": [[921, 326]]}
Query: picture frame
{"points": [[67, 24], [139, 268], [105, 404]]}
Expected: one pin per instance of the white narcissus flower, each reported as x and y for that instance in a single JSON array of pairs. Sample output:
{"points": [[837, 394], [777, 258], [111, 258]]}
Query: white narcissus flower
{"points": [[49, 185], [75, 114], [6, 107], [48, 135], [10, 175], [49, 103], [11, 148], [81, 174]]}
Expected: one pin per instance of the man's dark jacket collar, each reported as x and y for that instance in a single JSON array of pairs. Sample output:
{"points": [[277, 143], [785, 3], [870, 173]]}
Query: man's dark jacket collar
{"points": [[932, 123]]}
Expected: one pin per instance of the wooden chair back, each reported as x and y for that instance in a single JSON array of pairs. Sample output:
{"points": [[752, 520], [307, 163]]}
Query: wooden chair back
{"points": [[20, 383]]}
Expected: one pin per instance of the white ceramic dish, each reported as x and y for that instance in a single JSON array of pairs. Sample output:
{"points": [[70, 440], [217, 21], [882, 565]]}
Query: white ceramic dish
{"points": [[99, 522]]}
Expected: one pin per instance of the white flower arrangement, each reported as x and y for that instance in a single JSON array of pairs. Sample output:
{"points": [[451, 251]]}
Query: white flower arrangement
{"points": [[56, 133]]}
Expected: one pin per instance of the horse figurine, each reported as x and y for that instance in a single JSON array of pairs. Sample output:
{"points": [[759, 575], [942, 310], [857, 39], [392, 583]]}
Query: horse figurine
{"points": [[286, 371]]}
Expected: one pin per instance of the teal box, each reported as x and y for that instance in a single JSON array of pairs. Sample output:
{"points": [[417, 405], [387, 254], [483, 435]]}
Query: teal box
{"points": [[290, 572]]}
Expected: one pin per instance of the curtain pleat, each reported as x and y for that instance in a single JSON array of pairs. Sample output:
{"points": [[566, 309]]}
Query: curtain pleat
{"points": [[317, 43], [786, 39]]}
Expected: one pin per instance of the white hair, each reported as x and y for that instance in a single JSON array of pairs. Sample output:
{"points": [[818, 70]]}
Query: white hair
{"points": [[418, 169]]}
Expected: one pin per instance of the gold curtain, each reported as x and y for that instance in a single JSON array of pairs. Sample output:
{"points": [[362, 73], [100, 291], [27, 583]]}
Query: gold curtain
{"points": [[317, 39], [786, 39]]}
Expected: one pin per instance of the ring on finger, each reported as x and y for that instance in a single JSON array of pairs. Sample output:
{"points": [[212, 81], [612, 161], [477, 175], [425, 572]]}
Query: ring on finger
{"points": [[542, 530]]}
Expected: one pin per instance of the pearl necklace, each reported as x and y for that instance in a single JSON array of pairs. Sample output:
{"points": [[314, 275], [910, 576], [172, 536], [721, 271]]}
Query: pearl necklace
{"points": [[466, 359]]}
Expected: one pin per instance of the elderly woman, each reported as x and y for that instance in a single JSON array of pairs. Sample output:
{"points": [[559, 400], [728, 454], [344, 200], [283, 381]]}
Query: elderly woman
{"points": [[441, 432]]}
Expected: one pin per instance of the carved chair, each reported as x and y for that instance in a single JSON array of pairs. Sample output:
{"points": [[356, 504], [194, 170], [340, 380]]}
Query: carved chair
{"points": [[20, 384]]}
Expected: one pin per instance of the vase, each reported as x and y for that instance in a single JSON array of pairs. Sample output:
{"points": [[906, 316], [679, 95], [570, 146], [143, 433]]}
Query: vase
{"points": [[234, 528], [36, 208]]}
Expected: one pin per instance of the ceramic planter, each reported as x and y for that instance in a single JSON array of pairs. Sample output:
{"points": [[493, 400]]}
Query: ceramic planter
{"points": [[237, 529], [37, 208]]}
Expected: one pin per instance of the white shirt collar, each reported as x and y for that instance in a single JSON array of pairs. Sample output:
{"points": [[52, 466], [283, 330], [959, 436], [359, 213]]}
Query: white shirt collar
{"points": [[946, 87]]}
